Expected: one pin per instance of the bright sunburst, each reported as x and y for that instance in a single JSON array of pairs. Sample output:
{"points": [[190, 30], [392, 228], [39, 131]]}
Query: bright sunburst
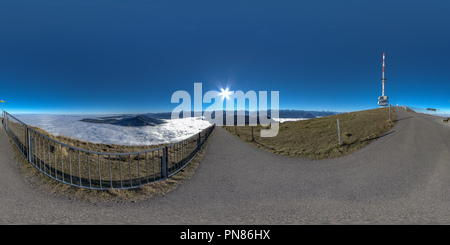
{"points": [[225, 93]]}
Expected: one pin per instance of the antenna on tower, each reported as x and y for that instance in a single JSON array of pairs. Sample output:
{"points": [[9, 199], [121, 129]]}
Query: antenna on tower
{"points": [[383, 99]]}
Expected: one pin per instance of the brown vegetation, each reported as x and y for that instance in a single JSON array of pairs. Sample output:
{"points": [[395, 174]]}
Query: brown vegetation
{"points": [[318, 138]]}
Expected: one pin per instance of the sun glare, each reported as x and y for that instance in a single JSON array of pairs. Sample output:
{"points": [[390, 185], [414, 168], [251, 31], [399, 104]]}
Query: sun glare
{"points": [[225, 93]]}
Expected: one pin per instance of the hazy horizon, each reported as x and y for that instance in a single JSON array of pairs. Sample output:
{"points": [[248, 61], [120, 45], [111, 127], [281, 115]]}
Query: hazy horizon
{"points": [[139, 113]]}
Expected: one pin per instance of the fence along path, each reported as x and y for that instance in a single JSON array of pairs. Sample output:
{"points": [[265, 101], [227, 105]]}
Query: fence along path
{"points": [[101, 170]]}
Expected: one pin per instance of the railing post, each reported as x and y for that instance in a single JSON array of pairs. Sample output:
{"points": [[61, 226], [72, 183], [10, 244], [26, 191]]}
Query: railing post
{"points": [[390, 113], [164, 161], [31, 159], [6, 122], [28, 144]]}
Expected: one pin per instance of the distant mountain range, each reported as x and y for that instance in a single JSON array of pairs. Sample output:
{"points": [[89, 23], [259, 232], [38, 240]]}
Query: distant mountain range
{"points": [[133, 121], [249, 116], [153, 119], [281, 114]]}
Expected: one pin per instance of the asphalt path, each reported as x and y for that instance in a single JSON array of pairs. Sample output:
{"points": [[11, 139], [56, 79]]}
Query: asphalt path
{"points": [[401, 178]]}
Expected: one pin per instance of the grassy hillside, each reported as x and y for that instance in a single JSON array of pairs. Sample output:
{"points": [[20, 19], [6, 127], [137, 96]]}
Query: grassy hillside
{"points": [[318, 138]]}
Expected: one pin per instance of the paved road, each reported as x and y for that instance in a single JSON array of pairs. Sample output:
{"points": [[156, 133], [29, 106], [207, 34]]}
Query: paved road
{"points": [[402, 178]]}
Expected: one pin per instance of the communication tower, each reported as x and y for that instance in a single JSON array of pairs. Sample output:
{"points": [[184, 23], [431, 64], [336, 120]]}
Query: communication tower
{"points": [[383, 99]]}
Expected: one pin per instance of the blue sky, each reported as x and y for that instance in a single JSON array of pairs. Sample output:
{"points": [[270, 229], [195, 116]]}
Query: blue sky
{"points": [[131, 56]]}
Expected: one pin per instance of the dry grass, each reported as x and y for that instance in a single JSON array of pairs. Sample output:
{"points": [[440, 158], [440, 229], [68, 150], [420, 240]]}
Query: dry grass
{"points": [[318, 138]]}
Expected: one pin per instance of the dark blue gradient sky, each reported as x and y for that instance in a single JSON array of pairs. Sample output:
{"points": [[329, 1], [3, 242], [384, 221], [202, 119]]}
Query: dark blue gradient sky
{"points": [[131, 56]]}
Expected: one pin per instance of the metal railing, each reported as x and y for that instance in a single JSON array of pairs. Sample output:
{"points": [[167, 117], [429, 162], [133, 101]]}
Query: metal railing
{"points": [[101, 170]]}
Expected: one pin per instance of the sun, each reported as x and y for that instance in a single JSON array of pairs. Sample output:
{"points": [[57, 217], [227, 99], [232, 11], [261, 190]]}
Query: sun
{"points": [[225, 93]]}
